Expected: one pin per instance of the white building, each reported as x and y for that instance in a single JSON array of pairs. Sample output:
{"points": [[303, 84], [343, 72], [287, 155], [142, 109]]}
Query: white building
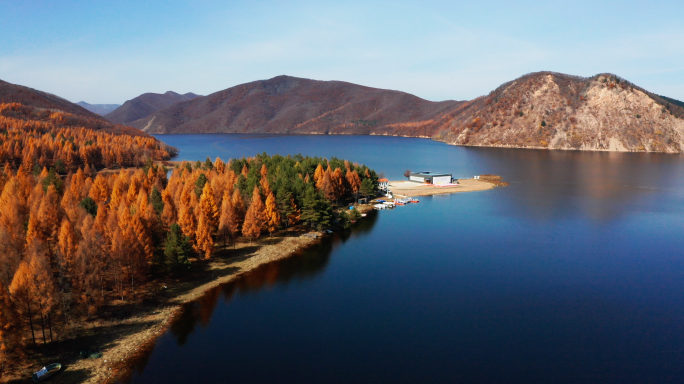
{"points": [[431, 177]]}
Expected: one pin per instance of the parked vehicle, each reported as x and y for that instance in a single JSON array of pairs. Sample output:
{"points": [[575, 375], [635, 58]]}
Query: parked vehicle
{"points": [[46, 372]]}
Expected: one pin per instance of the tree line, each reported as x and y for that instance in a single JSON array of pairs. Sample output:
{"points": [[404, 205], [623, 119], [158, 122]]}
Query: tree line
{"points": [[70, 245]]}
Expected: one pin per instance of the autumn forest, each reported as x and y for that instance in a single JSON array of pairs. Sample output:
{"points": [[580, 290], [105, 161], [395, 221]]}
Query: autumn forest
{"points": [[88, 214]]}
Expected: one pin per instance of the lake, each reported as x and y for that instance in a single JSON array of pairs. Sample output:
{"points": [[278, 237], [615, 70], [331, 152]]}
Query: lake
{"points": [[572, 274]]}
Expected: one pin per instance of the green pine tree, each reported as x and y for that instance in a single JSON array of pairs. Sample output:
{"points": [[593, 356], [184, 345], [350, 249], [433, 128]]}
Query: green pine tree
{"points": [[89, 205], [309, 212], [366, 187], [283, 197], [156, 200], [177, 250], [199, 184]]}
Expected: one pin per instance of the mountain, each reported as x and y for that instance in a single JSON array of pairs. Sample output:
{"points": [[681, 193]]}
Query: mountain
{"points": [[287, 104], [100, 109], [12, 93], [557, 111], [145, 105], [538, 110]]}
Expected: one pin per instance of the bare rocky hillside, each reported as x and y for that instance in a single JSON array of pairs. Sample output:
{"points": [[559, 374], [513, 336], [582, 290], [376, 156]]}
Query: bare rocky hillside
{"points": [[550, 110]]}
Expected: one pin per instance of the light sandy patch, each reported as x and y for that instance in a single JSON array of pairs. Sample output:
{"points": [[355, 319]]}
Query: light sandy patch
{"points": [[412, 189]]}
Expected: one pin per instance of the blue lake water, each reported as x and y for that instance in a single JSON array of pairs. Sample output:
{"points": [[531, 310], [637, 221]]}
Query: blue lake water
{"points": [[572, 274]]}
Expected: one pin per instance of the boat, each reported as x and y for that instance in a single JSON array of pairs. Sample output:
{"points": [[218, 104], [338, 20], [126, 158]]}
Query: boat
{"points": [[46, 372]]}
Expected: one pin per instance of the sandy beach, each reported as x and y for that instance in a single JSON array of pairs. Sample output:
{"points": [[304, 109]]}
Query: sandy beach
{"points": [[412, 189]]}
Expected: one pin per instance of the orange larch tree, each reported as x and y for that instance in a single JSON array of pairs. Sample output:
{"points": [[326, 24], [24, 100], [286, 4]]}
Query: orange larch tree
{"points": [[228, 222], [209, 207], [100, 189], [259, 209], [169, 215], [42, 285], [251, 228], [238, 207], [13, 215], [22, 295], [219, 165], [271, 214], [339, 184], [326, 186], [318, 175], [89, 267], [9, 326], [295, 214], [205, 242]]}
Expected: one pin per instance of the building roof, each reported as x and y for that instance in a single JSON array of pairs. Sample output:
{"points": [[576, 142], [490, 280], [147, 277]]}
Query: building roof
{"points": [[383, 180], [429, 174]]}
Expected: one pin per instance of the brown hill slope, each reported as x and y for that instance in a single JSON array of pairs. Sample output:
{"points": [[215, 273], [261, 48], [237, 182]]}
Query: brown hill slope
{"points": [[13, 93], [46, 107], [145, 105], [551, 110], [287, 104]]}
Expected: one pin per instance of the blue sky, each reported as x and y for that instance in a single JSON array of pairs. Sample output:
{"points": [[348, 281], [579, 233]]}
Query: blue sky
{"points": [[108, 52]]}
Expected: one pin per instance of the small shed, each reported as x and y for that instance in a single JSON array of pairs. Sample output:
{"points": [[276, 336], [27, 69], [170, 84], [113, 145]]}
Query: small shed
{"points": [[431, 177]]}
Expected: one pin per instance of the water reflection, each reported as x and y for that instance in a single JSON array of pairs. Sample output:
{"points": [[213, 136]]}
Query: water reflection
{"points": [[553, 185], [305, 264]]}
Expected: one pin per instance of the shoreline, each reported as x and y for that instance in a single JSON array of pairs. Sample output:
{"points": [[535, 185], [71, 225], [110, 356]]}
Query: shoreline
{"points": [[124, 340], [139, 343], [121, 341]]}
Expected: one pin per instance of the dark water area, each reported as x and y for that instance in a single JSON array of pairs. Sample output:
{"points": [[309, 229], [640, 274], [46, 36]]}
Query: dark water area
{"points": [[572, 274]]}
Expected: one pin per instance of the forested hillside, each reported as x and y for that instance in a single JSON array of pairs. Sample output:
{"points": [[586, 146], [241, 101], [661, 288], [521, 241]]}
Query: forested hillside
{"points": [[71, 246], [38, 138], [13, 93]]}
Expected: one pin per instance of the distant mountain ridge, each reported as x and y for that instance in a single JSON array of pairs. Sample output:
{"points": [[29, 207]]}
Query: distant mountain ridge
{"points": [[539, 110], [286, 104], [100, 109], [146, 104]]}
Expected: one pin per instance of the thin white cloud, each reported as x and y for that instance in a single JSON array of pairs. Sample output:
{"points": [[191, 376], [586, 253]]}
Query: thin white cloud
{"points": [[427, 54]]}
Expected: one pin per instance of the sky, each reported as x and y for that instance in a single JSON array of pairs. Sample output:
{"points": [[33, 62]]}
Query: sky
{"points": [[108, 52]]}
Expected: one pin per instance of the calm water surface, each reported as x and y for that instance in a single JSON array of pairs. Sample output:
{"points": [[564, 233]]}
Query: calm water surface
{"points": [[573, 274]]}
